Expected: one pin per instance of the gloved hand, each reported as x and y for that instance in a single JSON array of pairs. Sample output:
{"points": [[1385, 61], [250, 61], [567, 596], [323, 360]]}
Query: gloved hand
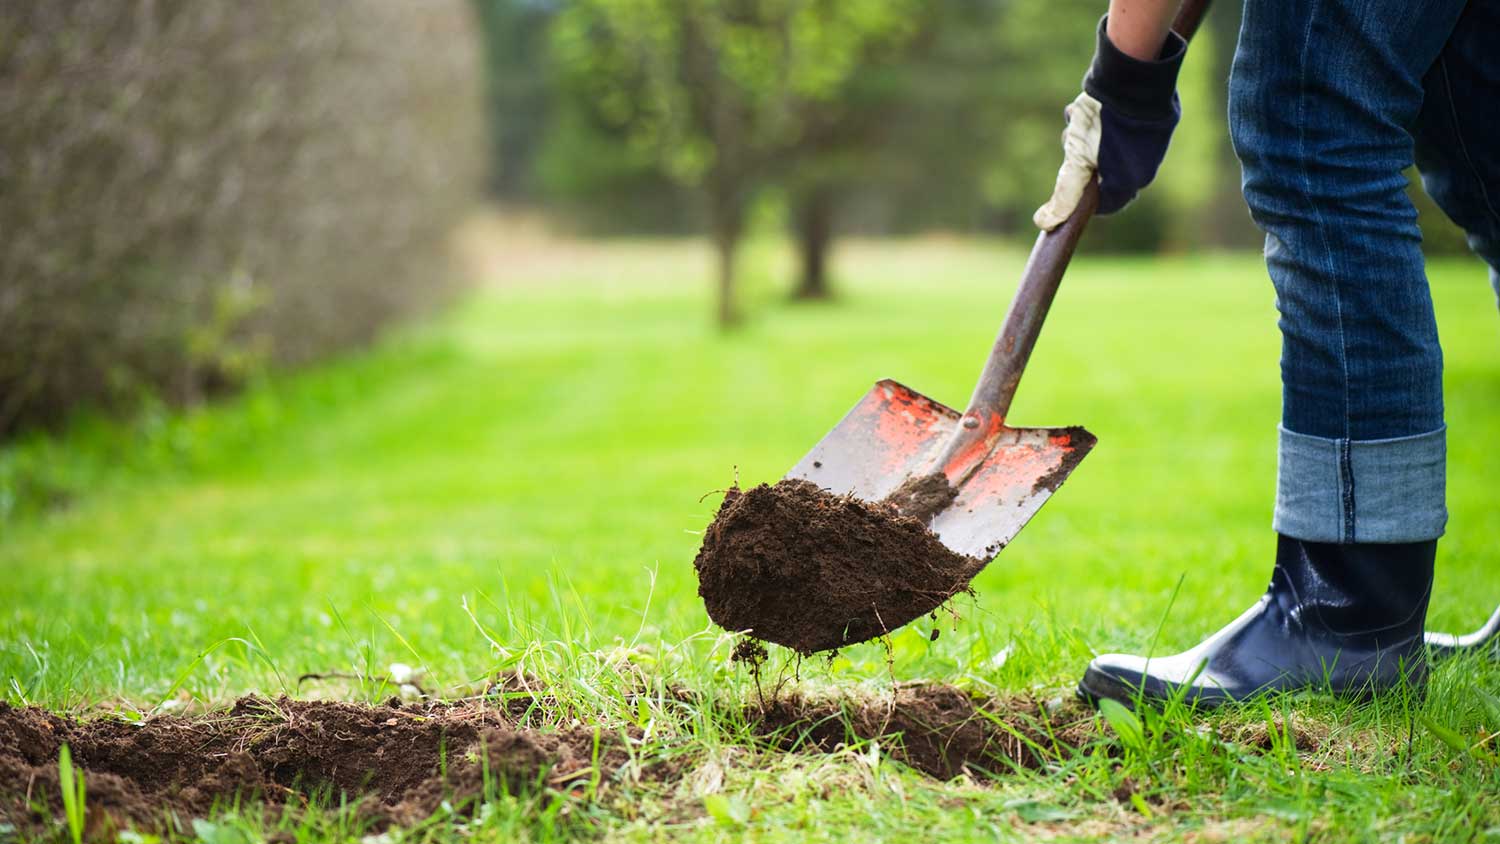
{"points": [[1119, 126]]}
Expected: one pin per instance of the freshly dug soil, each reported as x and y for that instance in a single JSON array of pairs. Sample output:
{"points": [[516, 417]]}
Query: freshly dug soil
{"points": [[939, 730], [796, 565], [398, 762]]}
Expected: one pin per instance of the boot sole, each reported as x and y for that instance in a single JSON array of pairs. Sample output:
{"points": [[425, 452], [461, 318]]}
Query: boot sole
{"points": [[1100, 685]]}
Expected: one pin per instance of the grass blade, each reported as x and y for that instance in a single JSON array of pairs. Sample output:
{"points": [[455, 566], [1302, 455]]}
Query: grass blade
{"points": [[70, 780], [1125, 724]]}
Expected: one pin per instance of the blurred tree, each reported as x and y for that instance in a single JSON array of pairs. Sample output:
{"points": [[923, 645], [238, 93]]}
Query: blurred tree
{"points": [[590, 177], [721, 94], [518, 89], [666, 115], [902, 150]]}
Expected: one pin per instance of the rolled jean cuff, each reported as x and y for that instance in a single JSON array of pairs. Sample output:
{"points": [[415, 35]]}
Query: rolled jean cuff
{"points": [[1361, 490]]}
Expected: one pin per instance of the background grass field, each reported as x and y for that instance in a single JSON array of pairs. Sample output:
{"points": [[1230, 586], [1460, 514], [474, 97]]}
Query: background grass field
{"points": [[521, 483]]}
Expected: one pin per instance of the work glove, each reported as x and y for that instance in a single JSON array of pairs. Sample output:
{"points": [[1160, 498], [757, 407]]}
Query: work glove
{"points": [[1118, 127]]}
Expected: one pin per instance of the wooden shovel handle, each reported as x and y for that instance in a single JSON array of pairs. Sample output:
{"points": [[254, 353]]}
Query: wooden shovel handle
{"points": [[1039, 283]]}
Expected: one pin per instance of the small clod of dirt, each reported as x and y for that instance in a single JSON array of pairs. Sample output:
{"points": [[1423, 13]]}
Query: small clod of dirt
{"points": [[923, 496], [798, 566], [398, 764], [940, 730], [751, 652]]}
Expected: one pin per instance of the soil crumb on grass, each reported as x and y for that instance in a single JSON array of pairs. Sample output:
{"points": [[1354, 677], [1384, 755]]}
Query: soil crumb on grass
{"points": [[801, 567], [400, 762], [939, 730]]}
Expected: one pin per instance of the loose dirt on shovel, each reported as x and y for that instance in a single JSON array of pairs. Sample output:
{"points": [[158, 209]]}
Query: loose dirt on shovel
{"points": [[397, 764], [798, 566]]}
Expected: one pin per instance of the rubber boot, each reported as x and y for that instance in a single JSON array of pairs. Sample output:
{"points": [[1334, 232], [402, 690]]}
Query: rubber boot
{"points": [[1346, 619]]}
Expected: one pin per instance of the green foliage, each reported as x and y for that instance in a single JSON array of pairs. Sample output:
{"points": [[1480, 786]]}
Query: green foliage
{"points": [[191, 193], [74, 794], [877, 116], [715, 84], [727, 811], [1125, 724], [719, 94], [949, 119], [591, 180]]}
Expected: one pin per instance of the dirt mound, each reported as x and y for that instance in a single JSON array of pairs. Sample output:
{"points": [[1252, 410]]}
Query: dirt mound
{"points": [[939, 730], [798, 566], [398, 762]]}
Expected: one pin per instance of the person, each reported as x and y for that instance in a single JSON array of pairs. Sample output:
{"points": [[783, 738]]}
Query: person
{"points": [[1330, 101]]}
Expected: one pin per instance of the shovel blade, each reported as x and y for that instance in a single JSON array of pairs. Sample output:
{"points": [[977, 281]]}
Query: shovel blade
{"points": [[895, 433]]}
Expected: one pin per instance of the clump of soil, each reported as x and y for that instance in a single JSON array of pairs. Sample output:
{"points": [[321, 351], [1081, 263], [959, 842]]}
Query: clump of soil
{"points": [[922, 496], [796, 565], [939, 730], [398, 763]]}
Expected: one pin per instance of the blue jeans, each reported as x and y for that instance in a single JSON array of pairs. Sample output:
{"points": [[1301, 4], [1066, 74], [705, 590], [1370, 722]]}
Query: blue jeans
{"points": [[1330, 100]]}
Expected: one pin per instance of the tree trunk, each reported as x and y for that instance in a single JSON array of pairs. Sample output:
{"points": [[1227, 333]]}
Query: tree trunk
{"points": [[727, 226], [814, 222], [724, 248]]}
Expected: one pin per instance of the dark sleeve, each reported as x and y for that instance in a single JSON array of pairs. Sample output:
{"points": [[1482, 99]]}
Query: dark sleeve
{"points": [[1142, 90]]}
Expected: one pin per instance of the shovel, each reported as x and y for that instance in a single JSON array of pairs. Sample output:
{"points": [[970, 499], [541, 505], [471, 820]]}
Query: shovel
{"points": [[896, 438]]}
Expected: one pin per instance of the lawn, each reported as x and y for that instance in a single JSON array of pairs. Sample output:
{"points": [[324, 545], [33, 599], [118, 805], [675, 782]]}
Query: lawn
{"points": [[519, 484]]}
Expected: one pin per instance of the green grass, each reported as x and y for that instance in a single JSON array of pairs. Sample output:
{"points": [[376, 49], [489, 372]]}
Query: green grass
{"points": [[521, 484]]}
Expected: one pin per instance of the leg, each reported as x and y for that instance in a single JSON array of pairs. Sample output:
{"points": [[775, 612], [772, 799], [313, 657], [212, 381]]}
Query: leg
{"points": [[1323, 96], [1456, 132]]}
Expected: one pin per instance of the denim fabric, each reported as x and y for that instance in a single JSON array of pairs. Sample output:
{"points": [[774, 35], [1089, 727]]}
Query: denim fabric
{"points": [[1330, 100], [1458, 131], [1364, 491]]}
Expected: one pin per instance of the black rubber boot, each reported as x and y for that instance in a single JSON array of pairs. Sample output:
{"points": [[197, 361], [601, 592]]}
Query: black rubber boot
{"points": [[1340, 618]]}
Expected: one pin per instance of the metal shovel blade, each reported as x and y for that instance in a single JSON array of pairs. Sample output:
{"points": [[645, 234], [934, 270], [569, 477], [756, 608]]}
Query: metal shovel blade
{"points": [[895, 433]]}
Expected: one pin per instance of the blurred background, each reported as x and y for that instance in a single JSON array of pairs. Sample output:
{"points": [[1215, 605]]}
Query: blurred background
{"points": [[194, 192]]}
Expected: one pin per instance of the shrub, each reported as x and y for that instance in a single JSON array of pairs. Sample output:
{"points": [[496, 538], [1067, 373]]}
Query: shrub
{"points": [[190, 190]]}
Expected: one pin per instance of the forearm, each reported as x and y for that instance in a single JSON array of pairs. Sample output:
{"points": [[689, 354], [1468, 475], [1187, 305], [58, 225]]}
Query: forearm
{"points": [[1138, 28]]}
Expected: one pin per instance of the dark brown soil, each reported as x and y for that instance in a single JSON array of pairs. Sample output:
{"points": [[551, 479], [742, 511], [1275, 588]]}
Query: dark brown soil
{"points": [[399, 763], [939, 730], [798, 566]]}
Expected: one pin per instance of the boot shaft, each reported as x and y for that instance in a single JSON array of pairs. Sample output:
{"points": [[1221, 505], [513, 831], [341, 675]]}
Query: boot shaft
{"points": [[1373, 595]]}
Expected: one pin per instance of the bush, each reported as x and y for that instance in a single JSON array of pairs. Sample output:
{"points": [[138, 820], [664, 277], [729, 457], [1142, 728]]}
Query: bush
{"points": [[190, 191]]}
